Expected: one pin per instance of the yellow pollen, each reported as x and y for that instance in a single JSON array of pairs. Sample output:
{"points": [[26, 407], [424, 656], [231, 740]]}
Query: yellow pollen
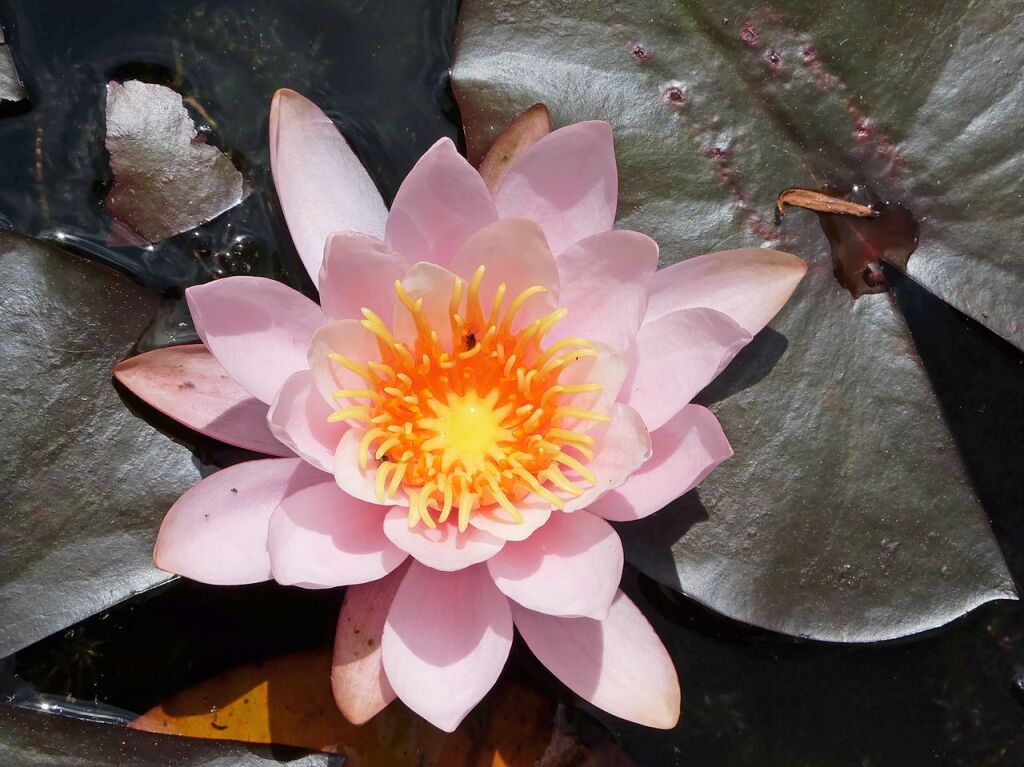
{"points": [[476, 424]]}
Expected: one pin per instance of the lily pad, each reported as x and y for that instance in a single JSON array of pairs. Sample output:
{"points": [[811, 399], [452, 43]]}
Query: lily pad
{"points": [[846, 513], [11, 88], [34, 739], [167, 179], [85, 481]]}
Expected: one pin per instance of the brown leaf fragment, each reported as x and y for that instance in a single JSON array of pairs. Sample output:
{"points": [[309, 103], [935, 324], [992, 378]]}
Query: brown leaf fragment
{"points": [[820, 202]]}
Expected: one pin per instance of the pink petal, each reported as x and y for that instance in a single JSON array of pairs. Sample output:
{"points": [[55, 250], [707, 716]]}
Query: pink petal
{"points": [[570, 567], [361, 688], [499, 523], [321, 183], [320, 537], [434, 284], [441, 548], [352, 478], [189, 385], [217, 531], [258, 329], [618, 664], [685, 451], [750, 285], [358, 271], [518, 136], [298, 418], [440, 204], [622, 446], [349, 339], [513, 252], [445, 641], [604, 283], [566, 182], [676, 356]]}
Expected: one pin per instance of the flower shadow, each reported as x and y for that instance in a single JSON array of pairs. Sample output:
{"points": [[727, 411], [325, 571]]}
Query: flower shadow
{"points": [[754, 362], [650, 540]]}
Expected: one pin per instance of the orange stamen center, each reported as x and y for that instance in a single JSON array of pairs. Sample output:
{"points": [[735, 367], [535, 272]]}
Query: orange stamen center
{"points": [[479, 422]]}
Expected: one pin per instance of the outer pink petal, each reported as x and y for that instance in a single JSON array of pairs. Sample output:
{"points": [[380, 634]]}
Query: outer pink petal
{"points": [[321, 183], [618, 664], [354, 479], [358, 271], [685, 451], [361, 688], [567, 182], [298, 418], [440, 204], [513, 252], [750, 285], [445, 641], [434, 285], [622, 446], [217, 531], [570, 567], [320, 537], [189, 385], [441, 548], [498, 522], [349, 339], [604, 284], [676, 356], [258, 329]]}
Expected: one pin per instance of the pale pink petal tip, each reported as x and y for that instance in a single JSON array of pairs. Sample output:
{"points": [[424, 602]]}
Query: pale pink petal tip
{"points": [[445, 641], [676, 356], [217, 531], [684, 451], [439, 205], [258, 329], [361, 688], [619, 664], [604, 283], [189, 385], [567, 182], [358, 271], [750, 285], [570, 567], [320, 537], [322, 185]]}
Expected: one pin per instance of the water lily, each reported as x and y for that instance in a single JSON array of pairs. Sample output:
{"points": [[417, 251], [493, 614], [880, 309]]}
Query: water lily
{"points": [[487, 381]]}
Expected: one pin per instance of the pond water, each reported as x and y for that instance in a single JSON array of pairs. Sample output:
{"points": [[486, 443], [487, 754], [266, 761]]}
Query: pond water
{"points": [[953, 697]]}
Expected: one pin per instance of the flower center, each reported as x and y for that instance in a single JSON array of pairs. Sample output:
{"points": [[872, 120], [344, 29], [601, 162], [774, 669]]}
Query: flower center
{"points": [[477, 422]]}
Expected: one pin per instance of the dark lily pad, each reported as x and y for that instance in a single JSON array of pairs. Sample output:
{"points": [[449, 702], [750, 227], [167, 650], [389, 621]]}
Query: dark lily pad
{"points": [[85, 481], [33, 739], [11, 88], [846, 513], [167, 179]]}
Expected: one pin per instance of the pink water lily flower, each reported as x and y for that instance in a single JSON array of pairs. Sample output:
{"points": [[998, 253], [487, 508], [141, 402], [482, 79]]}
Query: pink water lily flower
{"points": [[489, 378]]}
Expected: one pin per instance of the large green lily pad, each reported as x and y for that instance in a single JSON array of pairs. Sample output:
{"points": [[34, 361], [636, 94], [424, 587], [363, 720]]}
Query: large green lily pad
{"points": [[846, 513], [85, 481]]}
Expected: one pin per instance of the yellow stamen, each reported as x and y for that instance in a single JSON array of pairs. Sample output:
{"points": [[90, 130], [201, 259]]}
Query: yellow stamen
{"points": [[476, 426]]}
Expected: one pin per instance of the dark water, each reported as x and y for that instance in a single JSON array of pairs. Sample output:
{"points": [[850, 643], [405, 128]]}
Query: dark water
{"points": [[953, 697]]}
